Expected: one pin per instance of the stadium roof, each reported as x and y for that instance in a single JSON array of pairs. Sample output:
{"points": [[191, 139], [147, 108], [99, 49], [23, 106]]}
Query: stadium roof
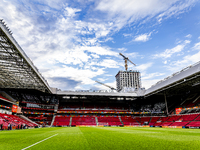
{"points": [[16, 69], [185, 80], [109, 94]]}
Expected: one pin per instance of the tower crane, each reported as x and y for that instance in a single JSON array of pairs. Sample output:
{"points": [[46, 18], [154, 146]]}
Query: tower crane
{"points": [[112, 88], [126, 59]]}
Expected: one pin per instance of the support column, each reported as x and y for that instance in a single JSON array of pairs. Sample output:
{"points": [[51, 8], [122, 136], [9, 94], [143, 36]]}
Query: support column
{"points": [[166, 103]]}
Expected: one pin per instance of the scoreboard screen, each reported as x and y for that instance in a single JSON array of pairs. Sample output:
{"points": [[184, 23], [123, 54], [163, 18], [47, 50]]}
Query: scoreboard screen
{"points": [[14, 108]]}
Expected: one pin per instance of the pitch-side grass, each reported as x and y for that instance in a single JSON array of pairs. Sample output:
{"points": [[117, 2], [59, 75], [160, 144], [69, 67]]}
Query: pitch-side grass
{"points": [[100, 138]]}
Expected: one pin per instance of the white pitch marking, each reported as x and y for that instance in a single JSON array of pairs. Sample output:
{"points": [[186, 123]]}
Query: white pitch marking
{"points": [[39, 142]]}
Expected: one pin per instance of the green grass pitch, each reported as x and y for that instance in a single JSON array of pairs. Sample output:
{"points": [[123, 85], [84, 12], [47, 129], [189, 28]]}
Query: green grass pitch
{"points": [[100, 138]]}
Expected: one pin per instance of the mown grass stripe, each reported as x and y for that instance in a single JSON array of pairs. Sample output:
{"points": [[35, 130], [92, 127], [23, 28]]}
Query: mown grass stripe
{"points": [[39, 142]]}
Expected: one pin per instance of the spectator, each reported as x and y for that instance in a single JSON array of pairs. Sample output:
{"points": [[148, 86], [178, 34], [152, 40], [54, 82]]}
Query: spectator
{"points": [[9, 126], [1, 126]]}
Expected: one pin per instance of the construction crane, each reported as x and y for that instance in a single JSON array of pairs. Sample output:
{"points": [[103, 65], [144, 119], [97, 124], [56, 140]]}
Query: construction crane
{"points": [[126, 59], [112, 88]]}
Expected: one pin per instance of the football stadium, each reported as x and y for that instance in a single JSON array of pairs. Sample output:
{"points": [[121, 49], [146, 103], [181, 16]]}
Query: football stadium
{"points": [[35, 116]]}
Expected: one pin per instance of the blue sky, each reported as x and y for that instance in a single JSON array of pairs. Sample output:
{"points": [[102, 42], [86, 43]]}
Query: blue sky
{"points": [[74, 43]]}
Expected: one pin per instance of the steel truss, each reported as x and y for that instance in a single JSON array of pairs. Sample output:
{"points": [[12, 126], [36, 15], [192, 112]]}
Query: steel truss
{"points": [[16, 69]]}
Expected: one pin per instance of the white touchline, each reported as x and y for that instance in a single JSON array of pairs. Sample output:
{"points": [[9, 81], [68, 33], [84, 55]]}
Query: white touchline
{"points": [[39, 142]]}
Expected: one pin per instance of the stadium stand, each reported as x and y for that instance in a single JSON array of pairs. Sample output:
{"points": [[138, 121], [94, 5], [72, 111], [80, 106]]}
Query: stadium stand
{"points": [[156, 106]]}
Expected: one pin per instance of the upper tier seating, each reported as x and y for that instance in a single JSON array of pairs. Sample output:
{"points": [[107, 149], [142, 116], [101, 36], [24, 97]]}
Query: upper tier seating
{"points": [[1, 97]]}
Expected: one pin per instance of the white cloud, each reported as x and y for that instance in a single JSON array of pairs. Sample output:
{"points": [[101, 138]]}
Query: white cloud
{"points": [[71, 12], [169, 52], [127, 35], [103, 87], [148, 79], [186, 61], [197, 46], [188, 36], [148, 83], [176, 7], [142, 38], [101, 79], [99, 50], [94, 55], [128, 11], [83, 75], [109, 63], [165, 62], [122, 49], [152, 75], [144, 67]]}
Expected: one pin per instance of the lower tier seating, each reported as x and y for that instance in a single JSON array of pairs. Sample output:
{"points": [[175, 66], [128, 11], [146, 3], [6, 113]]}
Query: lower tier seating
{"points": [[193, 124], [189, 120], [61, 121], [109, 121], [15, 121], [83, 121], [129, 121]]}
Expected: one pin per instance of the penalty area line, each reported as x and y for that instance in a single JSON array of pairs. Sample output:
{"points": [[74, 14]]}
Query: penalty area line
{"points": [[39, 142]]}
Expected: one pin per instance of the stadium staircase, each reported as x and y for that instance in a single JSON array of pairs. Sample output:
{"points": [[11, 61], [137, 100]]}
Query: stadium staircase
{"points": [[25, 118], [120, 119], [149, 120], [153, 120], [70, 122], [129, 121], [97, 123], [53, 119], [56, 108]]}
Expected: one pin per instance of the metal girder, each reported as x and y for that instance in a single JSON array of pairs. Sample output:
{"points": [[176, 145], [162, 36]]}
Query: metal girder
{"points": [[16, 70]]}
